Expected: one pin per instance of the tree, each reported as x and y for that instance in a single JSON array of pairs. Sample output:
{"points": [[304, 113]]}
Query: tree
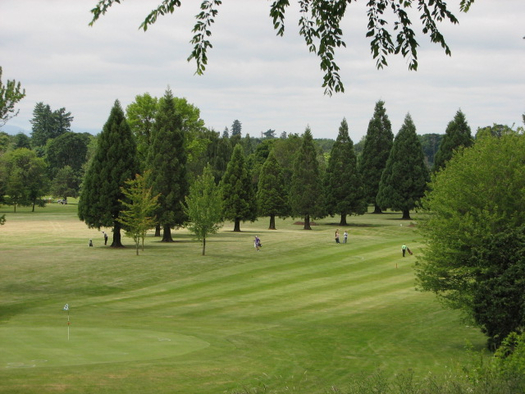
{"points": [[306, 190], [167, 161], [48, 124], [141, 118], [238, 196], [68, 149], [474, 259], [430, 145], [320, 25], [343, 185], [378, 143], [203, 207], [10, 94], [140, 203], [405, 177], [21, 140], [457, 135], [113, 164], [25, 177], [236, 128], [272, 199], [66, 183]]}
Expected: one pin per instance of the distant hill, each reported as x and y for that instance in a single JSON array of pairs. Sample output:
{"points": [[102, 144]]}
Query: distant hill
{"points": [[13, 130]]}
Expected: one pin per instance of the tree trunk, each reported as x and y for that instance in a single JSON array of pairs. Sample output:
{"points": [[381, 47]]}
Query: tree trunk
{"points": [[166, 235], [204, 246], [307, 223], [377, 209], [406, 214], [137, 246], [343, 220], [237, 226], [33, 210], [157, 230], [117, 237], [272, 222]]}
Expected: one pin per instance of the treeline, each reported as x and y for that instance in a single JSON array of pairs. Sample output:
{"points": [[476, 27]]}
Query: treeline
{"points": [[290, 175]]}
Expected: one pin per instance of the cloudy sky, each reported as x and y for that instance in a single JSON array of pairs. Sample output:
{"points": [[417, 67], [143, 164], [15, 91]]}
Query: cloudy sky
{"points": [[264, 81]]}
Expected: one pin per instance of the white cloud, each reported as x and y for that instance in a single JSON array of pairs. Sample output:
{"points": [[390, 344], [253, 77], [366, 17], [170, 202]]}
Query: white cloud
{"points": [[262, 80]]}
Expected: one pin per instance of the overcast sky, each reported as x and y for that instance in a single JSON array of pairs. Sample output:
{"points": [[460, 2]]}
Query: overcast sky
{"points": [[264, 81]]}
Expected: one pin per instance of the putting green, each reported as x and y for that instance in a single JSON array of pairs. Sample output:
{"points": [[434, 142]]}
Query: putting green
{"points": [[24, 347]]}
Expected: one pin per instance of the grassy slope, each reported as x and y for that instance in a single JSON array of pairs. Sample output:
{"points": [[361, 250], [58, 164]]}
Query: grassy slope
{"points": [[302, 315]]}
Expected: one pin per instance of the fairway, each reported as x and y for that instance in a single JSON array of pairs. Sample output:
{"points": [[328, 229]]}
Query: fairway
{"points": [[302, 315]]}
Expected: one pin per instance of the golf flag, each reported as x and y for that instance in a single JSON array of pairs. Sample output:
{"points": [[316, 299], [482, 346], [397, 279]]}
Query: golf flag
{"points": [[66, 307]]}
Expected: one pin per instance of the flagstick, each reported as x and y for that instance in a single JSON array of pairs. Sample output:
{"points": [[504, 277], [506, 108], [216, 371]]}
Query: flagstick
{"points": [[68, 324]]}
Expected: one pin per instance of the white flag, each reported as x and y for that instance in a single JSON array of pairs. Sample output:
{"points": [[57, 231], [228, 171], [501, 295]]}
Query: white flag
{"points": [[66, 307]]}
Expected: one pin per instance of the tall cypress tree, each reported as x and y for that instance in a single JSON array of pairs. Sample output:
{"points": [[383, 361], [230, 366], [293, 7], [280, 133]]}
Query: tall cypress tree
{"points": [[306, 191], [378, 142], [458, 134], [237, 190], [167, 161], [405, 177], [343, 185], [113, 163], [272, 198]]}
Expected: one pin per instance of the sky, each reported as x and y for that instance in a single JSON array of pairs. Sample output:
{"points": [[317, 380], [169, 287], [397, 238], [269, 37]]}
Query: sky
{"points": [[262, 80]]}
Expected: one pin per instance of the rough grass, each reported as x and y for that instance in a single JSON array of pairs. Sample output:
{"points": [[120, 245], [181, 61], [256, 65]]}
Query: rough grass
{"points": [[302, 315]]}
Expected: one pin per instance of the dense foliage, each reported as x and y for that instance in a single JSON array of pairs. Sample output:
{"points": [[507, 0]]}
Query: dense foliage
{"points": [[404, 180], [475, 259], [457, 135], [114, 163], [377, 145]]}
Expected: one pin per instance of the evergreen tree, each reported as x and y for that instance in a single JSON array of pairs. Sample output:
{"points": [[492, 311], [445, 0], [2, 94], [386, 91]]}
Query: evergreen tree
{"points": [[167, 160], [457, 135], [204, 207], [48, 124], [237, 191], [236, 128], [306, 190], [405, 177], [113, 163], [343, 185], [378, 142], [272, 199]]}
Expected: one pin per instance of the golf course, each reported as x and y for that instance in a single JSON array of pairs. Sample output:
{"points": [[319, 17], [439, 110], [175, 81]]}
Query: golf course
{"points": [[302, 315]]}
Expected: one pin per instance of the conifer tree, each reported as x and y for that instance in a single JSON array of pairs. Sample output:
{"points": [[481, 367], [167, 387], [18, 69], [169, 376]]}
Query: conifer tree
{"points": [[378, 142], [343, 185], [405, 177], [114, 163], [272, 199], [306, 191], [457, 135], [237, 191], [167, 161]]}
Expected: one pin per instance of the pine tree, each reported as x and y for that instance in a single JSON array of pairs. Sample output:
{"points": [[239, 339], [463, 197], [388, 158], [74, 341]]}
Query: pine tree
{"points": [[167, 161], [237, 191], [114, 163], [272, 199], [306, 189], [378, 142], [405, 177], [343, 184], [457, 135]]}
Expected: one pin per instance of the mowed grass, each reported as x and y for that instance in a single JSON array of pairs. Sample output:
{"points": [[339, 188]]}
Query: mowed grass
{"points": [[302, 315]]}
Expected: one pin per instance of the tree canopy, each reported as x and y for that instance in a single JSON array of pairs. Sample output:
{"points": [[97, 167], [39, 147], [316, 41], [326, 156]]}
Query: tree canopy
{"points": [[474, 260], [378, 143], [114, 162], [320, 26], [10, 94], [405, 177], [456, 135]]}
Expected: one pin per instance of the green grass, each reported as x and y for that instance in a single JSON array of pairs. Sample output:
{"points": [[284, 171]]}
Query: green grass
{"points": [[302, 315]]}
